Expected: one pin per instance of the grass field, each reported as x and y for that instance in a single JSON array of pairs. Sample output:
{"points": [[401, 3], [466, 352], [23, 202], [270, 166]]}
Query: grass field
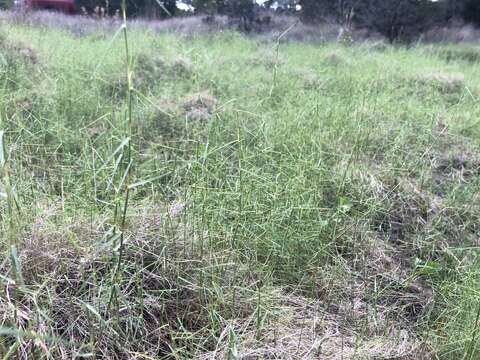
{"points": [[237, 199]]}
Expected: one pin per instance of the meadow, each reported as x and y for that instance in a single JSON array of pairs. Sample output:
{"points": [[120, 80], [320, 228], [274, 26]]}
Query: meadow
{"points": [[218, 196]]}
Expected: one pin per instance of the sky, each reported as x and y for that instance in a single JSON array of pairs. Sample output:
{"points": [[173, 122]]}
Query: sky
{"points": [[185, 7]]}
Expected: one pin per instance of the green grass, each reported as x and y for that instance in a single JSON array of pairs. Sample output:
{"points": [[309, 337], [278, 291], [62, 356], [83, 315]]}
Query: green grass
{"points": [[333, 211]]}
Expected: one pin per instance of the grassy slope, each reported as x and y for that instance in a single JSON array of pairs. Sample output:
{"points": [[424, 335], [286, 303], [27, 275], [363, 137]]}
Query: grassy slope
{"points": [[335, 211]]}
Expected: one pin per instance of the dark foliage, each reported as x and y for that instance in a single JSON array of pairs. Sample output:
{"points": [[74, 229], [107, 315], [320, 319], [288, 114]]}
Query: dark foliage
{"points": [[146, 8], [208, 6], [457, 10], [241, 10], [397, 20], [471, 11], [321, 10], [5, 4]]}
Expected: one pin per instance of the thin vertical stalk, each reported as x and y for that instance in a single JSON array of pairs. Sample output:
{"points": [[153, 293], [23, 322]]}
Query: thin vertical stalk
{"points": [[12, 230], [128, 67], [259, 314], [277, 55], [11, 206], [123, 190]]}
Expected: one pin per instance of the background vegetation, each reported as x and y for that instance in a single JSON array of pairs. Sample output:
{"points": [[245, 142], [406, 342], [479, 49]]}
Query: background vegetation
{"points": [[397, 20]]}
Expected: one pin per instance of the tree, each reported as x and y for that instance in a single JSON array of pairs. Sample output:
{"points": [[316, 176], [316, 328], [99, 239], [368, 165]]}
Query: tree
{"points": [[456, 10], [170, 6], [313, 10], [205, 6], [148, 8], [241, 10], [471, 11], [321, 10], [397, 20], [6, 4]]}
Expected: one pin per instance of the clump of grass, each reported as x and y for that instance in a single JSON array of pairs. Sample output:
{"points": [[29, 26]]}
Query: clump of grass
{"points": [[182, 67], [445, 83], [310, 79], [267, 58], [459, 53], [155, 68], [149, 72], [334, 59], [378, 45], [15, 51], [15, 59], [160, 305], [163, 124], [297, 328], [199, 107]]}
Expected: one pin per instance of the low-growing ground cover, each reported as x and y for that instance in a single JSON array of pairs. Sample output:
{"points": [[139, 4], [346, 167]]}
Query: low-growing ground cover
{"points": [[223, 197]]}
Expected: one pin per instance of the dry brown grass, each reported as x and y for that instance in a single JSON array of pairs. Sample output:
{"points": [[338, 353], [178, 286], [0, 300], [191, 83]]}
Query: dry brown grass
{"points": [[267, 58], [455, 33], [310, 79], [15, 50], [151, 68], [71, 259], [378, 45], [334, 59], [341, 323], [443, 82], [199, 107], [47, 248], [298, 328]]}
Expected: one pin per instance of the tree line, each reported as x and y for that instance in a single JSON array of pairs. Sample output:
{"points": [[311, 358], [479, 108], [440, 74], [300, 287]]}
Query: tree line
{"points": [[397, 20]]}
